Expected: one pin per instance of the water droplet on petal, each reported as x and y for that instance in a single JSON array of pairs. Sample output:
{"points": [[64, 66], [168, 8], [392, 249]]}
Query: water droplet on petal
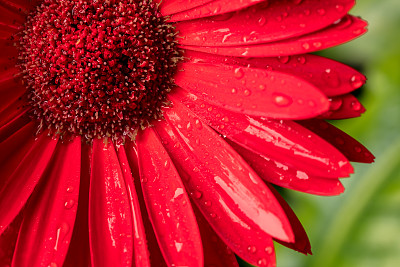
{"points": [[262, 262], [335, 104], [357, 149], [247, 92], [321, 11], [355, 105], [284, 59], [239, 73], [252, 249], [356, 81], [339, 140], [69, 204], [301, 59], [197, 194], [306, 46], [269, 250], [167, 164], [262, 21], [282, 100]]}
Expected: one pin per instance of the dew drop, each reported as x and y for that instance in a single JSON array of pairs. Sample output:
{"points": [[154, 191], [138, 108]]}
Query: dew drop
{"points": [[339, 140], [339, 8], [195, 169], [301, 59], [262, 262], [317, 44], [70, 189], [357, 149], [198, 124], [247, 92], [284, 59], [52, 264], [321, 11], [234, 91], [69, 204], [335, 104], [189, 126], [306, 46], [356, 81], [269, 250], [239, 73], [197, 194], [282, 100], [355, 105], [167, 164], [207, 203], [252, 249], [262, 21]]}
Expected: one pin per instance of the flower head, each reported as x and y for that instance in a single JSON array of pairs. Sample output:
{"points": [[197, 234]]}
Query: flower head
{"points": [[140, 132]]}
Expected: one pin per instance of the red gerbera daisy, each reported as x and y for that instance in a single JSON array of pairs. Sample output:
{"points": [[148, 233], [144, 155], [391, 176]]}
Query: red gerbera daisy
{"points": [[147, 133]]}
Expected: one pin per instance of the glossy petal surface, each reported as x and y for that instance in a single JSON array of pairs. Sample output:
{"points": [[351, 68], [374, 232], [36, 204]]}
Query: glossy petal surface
{"points": [[50, 215], [345, 30], [110, 220], [233, 193], [252, 91], [267, 23], [168, 204], [285, 141]]}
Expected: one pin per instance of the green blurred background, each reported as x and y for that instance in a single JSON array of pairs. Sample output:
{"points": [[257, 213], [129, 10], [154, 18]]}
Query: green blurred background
{"points": [[361, 227]]}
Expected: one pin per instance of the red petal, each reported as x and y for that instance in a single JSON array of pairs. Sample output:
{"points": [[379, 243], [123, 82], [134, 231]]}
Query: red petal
{"points": [[343, 31], [168, 7], [7, 50], [280, 174], [156, 258], [8, 239], [263, 24], [12, 111], [329, 76], [19, 183], [10, 89], [214, 8], [141, 253], [216, 252], [110, 224], [9, 15], [168, 204], [343, 107], [346, 144], [47, 227], [252, 91], [233, 193], [284, 141], [79, 250], [301, 244], [19, 6], [14, 125]]}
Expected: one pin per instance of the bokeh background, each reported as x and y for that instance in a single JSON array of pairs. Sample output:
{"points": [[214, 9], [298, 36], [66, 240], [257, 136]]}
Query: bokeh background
{"points": [[361, 227]]}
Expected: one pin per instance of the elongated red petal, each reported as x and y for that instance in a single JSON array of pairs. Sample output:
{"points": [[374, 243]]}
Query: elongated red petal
{"points": [[10, 89], [216, 252], [277, 21], [22, 180], [286, 176], [346, 29], [7, 50], [19, 6], [13, 110], [343, 107], [8, 240], [351, 148], [110, 220], [141, 253], [14, 125], [156, 258], [232, 193], [330, 77], [79, 250], [47, 227], [284, 141], [168, 7], [10, 16], [252, 91], [301, 244], [217, 7], [168, 204]]}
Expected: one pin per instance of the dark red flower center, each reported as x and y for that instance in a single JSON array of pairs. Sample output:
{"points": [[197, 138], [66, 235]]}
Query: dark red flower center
{"points": [[97, 68]]}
